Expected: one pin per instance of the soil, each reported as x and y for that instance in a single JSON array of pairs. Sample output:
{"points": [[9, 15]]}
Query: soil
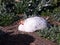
{"points": [[9, 35]]}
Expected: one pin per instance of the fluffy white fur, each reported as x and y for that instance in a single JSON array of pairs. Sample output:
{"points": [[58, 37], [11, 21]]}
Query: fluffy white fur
{"points": [[32, 24]]}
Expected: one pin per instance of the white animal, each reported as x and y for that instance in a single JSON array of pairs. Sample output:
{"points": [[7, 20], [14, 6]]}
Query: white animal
{"points": [[32, 24]]}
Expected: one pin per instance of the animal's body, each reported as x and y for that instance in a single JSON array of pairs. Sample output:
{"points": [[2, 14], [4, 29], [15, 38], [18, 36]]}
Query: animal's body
{"points": [[32, 24]]}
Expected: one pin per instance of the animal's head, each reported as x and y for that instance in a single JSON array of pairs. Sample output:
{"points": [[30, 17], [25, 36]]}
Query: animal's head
{"points": [[21, 21]]}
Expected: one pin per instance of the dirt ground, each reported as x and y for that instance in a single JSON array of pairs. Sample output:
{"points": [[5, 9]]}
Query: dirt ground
{"points": [[9, 35]]}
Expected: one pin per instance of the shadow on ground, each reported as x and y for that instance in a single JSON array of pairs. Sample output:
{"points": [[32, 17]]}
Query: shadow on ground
{"points": [[18, 39]]}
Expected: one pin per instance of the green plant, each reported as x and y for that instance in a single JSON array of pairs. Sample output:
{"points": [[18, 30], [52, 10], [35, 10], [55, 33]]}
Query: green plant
{"points": [[21, 6], [56, 14], [46, 13], [7, 19], [52, 34]]}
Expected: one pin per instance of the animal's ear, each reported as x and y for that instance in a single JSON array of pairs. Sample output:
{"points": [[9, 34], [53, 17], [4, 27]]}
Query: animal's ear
{"points": [[21, 22]]}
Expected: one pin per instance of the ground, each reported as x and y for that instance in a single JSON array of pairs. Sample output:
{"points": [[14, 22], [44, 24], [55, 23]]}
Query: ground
{"points": [[9, 35]]}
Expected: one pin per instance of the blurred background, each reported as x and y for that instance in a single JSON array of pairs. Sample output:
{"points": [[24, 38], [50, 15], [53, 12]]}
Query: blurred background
{"points": [[13, 10], [10, 10]]}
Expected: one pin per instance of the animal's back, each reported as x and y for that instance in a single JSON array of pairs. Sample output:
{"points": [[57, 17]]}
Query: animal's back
{"points": [[34, 23]]}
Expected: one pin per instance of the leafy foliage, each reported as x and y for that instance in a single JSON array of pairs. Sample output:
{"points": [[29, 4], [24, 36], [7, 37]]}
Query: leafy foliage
{"points": [[52, 34], [7, 19], [7, 14], [9, 10], [21, 6], [33, 7]]}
